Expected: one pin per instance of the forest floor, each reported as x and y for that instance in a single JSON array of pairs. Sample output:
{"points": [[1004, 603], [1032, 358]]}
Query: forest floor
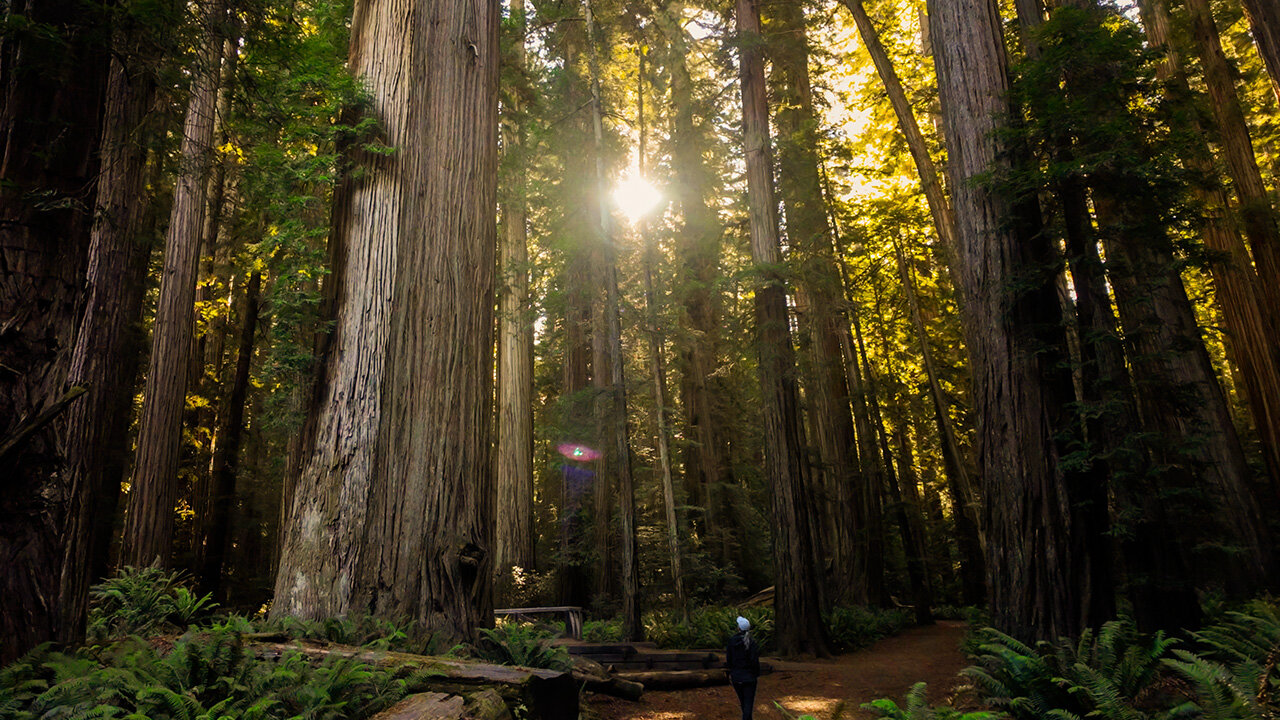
{"points": [[826, 689]]}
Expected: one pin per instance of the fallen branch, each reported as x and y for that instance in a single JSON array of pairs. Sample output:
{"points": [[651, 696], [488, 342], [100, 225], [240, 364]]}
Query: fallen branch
{"points": [[27, 428]]}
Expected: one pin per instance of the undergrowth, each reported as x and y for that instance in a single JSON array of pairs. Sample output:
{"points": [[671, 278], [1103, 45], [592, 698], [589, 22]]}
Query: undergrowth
{"points": [[848, 628], [205, 673]]}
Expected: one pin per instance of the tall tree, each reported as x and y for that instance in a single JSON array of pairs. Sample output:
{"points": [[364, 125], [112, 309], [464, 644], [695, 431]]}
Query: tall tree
{"points": [[52, 71], [707, 468], [1014, 337], [393, 512], [1258, 217], [514, 542], [1264, 22], [148, 532], [799, 621], [841, 513], [108, 342]]}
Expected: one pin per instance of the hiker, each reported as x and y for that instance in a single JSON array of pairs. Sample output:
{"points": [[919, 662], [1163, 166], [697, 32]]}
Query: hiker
{"points": [[742, 658]]}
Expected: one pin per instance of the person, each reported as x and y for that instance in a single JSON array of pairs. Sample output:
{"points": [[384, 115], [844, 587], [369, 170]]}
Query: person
{"points": [[742, 658]]}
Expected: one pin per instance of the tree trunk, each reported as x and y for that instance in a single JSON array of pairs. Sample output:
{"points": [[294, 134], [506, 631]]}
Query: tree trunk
{"points": [[1264, 25], [616, 397], [109, 340], [1015, 341], [706, 463], [226, 452], [963, 499], [514, 545], [656, 348], [930, 181], [148, 531], [392, 514], [839, 515], [1239, 288], [50, 105], [799, 622], [911, 523], [1258, 217]]}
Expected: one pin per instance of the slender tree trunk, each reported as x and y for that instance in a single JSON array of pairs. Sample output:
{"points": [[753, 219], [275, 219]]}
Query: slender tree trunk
{"points": [[1257, 215], [50, 106], [799, 623], [515, 537], [656, 348], [911, 524], [617, 397], [393, 512], [148, 531], [930, 180], [964, 502], [226, 452], [1264, 25], [1015, 342]]}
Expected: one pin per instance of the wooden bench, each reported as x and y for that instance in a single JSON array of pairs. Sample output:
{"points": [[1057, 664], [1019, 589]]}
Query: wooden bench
{"points": [[572, 616]]}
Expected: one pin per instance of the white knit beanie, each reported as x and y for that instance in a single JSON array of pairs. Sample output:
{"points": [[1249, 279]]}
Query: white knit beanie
{"points": [[743, 624]]}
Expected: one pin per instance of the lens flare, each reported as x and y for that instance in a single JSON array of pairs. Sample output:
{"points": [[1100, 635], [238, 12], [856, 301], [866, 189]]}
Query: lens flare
{"points": [[578, 451]]}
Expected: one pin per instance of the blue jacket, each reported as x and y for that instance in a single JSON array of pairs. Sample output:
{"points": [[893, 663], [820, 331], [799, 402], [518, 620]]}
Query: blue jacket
{"points": [[742, 658]]}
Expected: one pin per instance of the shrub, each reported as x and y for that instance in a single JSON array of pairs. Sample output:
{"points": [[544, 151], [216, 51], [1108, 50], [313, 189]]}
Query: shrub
{"points": [[602, 631], [511, 643], [850, 628], [137, 601], [708, 627]]}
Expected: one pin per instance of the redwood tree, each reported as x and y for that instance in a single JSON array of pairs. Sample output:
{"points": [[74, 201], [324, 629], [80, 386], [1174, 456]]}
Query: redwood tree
{"points": [[393, 512]]}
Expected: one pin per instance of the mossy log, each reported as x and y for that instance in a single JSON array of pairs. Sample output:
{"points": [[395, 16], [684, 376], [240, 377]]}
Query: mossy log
{"points": [[548, 694], [483, 705]]}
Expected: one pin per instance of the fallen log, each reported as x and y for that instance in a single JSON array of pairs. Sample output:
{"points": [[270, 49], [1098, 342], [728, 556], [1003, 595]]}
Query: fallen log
{"points": [[549, 694], [593, 677], [677, 679]]}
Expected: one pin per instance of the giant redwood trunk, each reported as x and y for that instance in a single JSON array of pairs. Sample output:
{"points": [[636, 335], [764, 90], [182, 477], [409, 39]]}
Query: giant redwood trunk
{"points": [[392, 514], [1015, 341], [799, 621], [153, 493], [50, 103]]}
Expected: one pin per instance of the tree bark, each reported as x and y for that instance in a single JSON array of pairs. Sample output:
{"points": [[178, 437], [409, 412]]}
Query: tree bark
{"points": [[50, 106], [514, 544], [799, 622], [148, 532], [407, 532]]}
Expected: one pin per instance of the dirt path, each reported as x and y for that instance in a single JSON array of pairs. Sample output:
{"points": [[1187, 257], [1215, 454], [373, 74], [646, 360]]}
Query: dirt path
{"points": [[819, 688]]}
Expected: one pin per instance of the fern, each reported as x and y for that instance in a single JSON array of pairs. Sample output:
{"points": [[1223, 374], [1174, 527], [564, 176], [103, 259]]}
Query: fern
{"points": [[916, 707]]}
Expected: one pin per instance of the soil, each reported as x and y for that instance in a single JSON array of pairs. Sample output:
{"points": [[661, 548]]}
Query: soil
{"points": [[826, 689]]}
